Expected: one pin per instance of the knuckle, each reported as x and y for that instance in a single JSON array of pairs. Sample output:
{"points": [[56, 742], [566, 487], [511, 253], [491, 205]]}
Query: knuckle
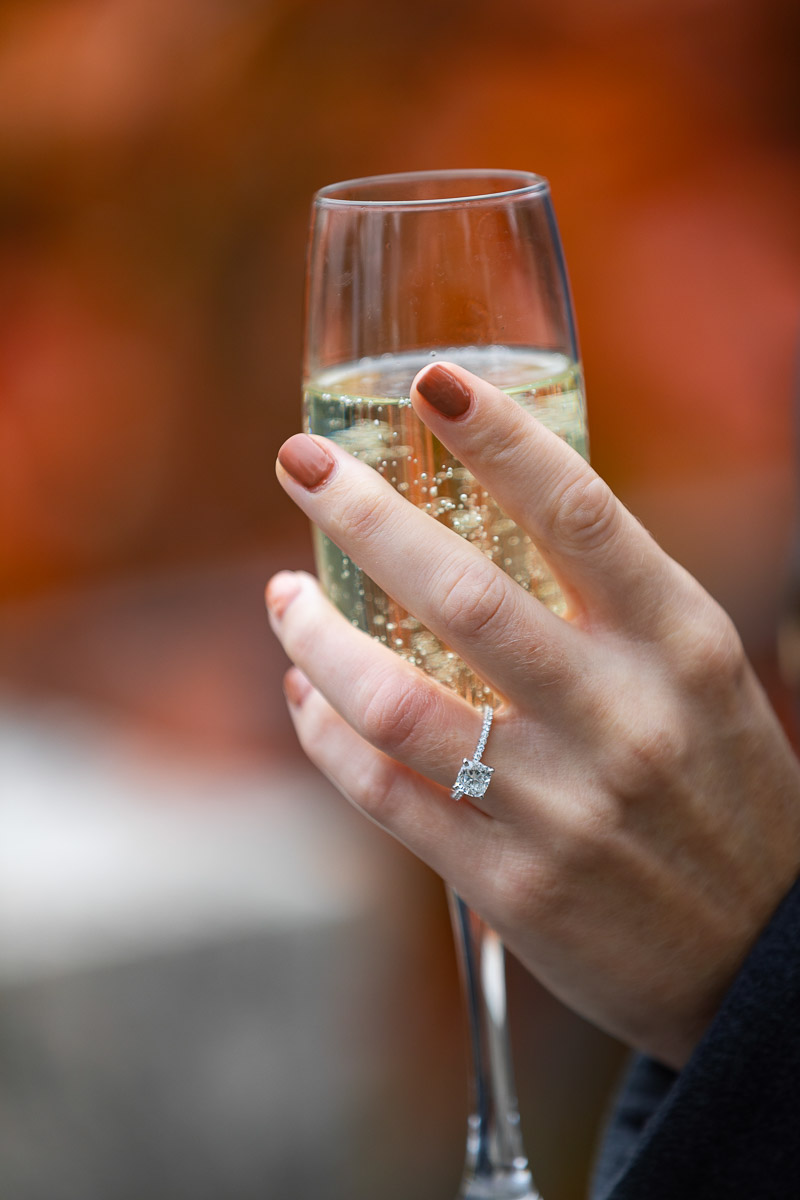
{"points": [[313, 723], [650, 754], [362, 519], [381, 791], [585, 512], [579, 852], [532, 894], [502, 450], [656, 753], [395, 713], [712, 655], [300, 630], [474, 601]]}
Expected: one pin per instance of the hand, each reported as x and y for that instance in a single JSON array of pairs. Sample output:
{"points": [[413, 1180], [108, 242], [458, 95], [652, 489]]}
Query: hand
{"points": [[643, 821]]}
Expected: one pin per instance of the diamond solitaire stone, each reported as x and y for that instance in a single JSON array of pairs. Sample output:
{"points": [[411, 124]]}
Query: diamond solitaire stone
{"points": [[473, 778]]}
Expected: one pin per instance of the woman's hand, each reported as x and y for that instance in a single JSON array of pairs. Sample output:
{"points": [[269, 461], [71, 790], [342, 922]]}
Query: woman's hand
{"points": [[643, 821]]}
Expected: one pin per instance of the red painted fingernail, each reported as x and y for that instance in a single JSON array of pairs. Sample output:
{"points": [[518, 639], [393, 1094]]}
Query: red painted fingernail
{"points": [[443, 390], [281, 591], [305, 460], [295, 686]]}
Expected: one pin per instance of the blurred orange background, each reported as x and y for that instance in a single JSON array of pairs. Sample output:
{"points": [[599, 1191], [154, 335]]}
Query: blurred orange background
{"points": [[157, 164]]}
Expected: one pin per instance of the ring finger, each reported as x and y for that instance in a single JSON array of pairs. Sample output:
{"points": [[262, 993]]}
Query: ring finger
{"points": [[389, 702], [452, 839]]}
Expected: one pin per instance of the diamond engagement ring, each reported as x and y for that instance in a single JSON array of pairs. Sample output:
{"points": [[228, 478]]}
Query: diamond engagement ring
{"points": [[474, 776]]}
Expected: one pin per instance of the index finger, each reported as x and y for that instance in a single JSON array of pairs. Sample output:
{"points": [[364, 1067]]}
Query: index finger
{"points": [[604, 560], [476, 610]]}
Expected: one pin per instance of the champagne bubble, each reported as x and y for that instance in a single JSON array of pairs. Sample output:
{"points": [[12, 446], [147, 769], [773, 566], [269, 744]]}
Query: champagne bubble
{"points": [[365, 408]]}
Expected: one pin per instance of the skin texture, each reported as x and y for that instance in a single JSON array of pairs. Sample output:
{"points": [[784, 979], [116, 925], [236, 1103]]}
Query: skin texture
{"points": [[643, 821]]}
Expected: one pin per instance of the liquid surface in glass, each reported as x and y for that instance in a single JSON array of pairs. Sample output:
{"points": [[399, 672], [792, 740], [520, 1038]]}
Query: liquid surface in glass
{"points": [[365, 408]]}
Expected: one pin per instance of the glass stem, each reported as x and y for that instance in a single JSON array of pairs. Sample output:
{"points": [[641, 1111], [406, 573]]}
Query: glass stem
{"points": [[496, 1167]]}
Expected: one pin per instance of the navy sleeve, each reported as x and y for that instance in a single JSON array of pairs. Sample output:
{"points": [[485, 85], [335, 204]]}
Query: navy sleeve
{"points": [[728, 1126]]}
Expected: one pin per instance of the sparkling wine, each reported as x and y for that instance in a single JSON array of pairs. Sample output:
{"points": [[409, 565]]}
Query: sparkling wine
{"points": [[365, 408]]}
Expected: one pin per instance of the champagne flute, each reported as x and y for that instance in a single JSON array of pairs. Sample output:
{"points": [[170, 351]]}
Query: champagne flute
{"points": [[404, 270]]}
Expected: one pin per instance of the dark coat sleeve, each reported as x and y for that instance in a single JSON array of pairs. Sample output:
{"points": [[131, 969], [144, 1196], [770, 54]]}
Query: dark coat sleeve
{"points": [[728, 1126]]}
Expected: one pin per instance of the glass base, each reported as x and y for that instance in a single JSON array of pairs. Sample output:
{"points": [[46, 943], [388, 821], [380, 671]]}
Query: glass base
{"points": [[502, 1185]]}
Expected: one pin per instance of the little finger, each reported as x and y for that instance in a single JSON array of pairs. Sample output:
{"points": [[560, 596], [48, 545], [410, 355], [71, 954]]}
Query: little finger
{"points": [[450, 838], [388, 701]]}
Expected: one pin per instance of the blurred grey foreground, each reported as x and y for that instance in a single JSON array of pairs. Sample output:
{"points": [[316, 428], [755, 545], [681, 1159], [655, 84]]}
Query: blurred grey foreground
{"points": [[216, 980]]}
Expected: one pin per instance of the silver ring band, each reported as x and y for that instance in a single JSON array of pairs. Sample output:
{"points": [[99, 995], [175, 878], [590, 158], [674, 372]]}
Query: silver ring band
{"points": [[474, 776]]}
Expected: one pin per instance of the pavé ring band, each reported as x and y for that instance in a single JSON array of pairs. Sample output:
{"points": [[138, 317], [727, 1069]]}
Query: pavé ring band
{"points": [[474, 776]]}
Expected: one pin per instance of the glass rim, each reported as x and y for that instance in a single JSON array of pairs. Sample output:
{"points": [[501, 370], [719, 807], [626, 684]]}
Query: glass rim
{"points": [[523, 183]]}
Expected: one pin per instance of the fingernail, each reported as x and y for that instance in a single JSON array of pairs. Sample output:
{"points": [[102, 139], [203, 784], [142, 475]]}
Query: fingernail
{"points": [[295, 686], [305, 460], [443, 390], [281, 591]]}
